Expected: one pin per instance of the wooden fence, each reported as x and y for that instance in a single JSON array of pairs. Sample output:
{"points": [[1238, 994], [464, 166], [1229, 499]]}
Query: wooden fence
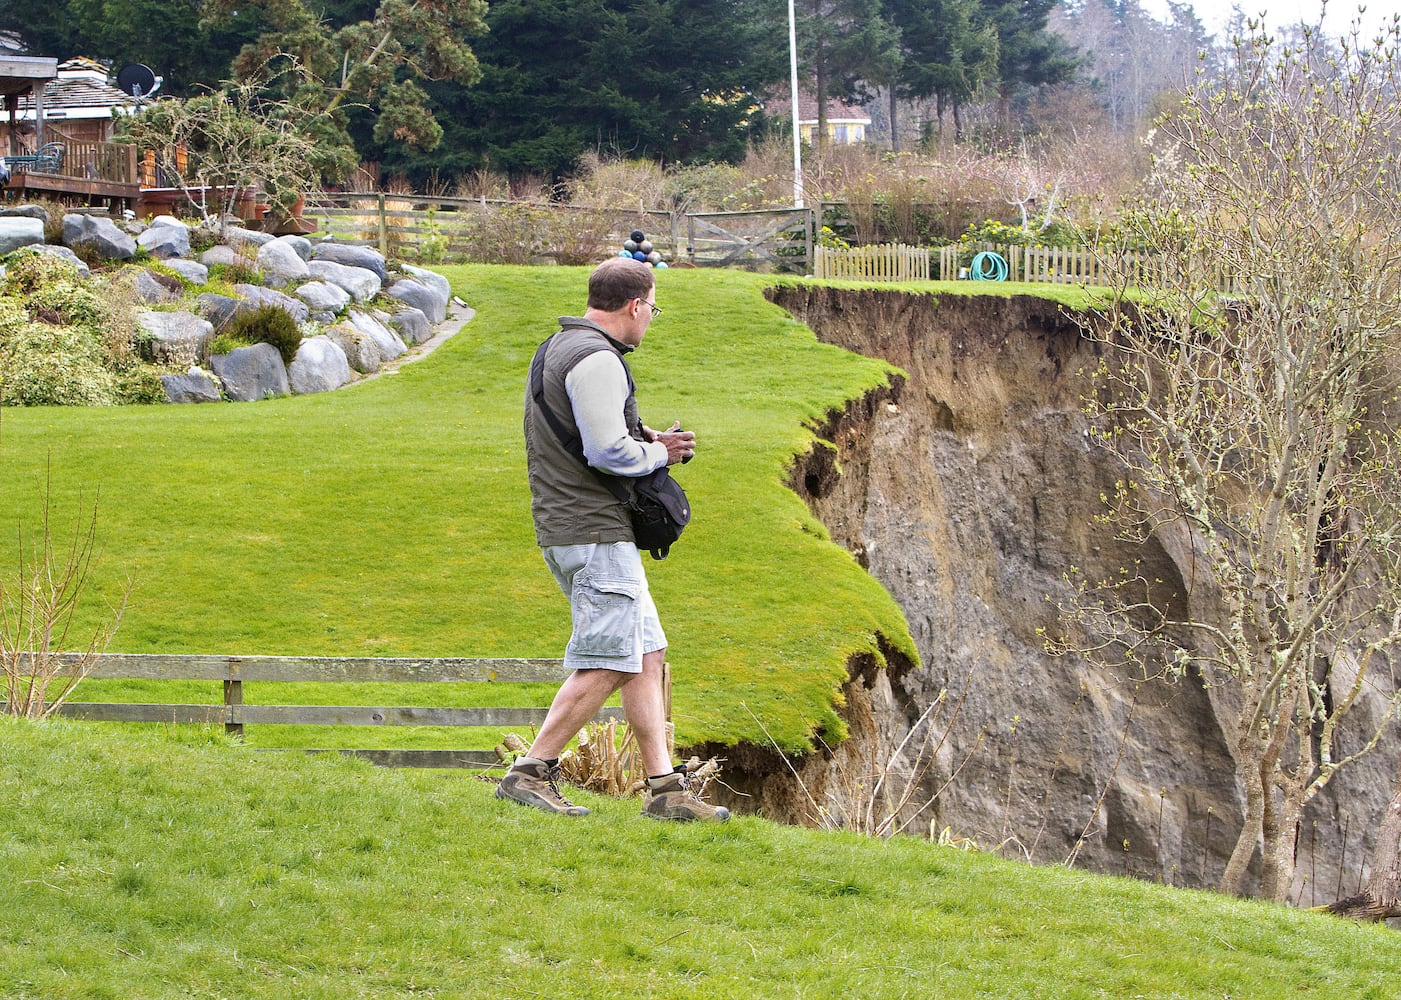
{"points": [[235, 713], [442, 229], [880, 262]]}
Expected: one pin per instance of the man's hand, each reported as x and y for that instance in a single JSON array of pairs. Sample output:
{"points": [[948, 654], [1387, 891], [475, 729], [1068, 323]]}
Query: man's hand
{"points": [[680, 445]]}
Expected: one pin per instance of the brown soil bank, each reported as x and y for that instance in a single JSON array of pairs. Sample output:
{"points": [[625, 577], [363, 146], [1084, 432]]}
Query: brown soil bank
{"points": [[969, 490]]}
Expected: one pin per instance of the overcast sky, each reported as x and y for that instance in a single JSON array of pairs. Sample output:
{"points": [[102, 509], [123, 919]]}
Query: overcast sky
{"points": [[1215, 13]]}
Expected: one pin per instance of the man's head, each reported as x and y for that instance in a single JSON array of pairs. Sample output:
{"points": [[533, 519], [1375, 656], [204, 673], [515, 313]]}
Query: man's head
{"points": [[621, 298], [617, 281]]}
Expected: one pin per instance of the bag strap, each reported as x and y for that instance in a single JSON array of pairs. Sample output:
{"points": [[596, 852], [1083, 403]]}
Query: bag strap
{"points": [[571, 441]]}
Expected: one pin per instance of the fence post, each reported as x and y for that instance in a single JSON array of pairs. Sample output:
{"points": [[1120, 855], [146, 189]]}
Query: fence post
{"points": [[383, 225], [233, 700]]}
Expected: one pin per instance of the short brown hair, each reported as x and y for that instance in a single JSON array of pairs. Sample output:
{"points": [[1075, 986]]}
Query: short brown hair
{"points": [[617, 281]]}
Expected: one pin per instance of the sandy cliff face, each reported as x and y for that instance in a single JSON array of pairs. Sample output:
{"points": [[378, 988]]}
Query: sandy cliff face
{"points": [[969, 490]]}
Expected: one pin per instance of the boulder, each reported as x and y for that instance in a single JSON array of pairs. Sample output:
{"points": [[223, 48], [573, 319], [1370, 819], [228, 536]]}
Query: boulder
{"points": [[222, 254], [352, 256], [174, 337], [432, 279], [323, 299], [166, 241], [361, 351], [62, 253], [101, 235], [150, 288], [279, 264], [257, 295], [362, 283], [236, 236], [191, 270], [219, 309], [386, 340], [411, 324], [419, 294], [300, 244], [193, 387], [251, 373], [16, 232], [24, 212], [320, 366]]}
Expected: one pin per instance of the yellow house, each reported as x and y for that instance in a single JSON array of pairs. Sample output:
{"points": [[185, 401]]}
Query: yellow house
{"points": [[846, 123]]}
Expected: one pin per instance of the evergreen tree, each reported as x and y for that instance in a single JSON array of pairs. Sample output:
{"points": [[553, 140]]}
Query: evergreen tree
{"points": [[1028, 55], [842, 45], [949, 51], [165, 35], [675, 80]]}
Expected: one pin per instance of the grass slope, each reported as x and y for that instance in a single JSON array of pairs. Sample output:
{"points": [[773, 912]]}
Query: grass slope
{"points": [[138, 865], [392, 519]]}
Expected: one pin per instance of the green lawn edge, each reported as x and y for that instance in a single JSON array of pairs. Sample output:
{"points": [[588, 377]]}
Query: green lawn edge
{"points": [[391, 518], [152, 865]]}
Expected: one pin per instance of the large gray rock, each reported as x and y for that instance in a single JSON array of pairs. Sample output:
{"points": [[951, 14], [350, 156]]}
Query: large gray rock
{"points": [[386, 340], [24, 212], [300, 244], [152, 288], [193, 387], [422, 296], [352, 256], [219, 309], [432, 279], [362, 283], [251, 373], [280, 265], [236, 236], [100, 235], [320, 366], [166, 238], [257, 295], [222, 253], [324, 299], [174, 337], [20, 232], [361, 351], [191, 270], [411, 325], [62, 253]]}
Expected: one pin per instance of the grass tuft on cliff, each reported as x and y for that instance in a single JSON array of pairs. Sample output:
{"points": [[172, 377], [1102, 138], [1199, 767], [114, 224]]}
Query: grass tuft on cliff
{"points": [[392, 518], [155, 864]]}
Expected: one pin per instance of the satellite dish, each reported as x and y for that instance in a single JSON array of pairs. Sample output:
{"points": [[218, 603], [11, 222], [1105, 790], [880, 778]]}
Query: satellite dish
{"points": [[137, 80]]}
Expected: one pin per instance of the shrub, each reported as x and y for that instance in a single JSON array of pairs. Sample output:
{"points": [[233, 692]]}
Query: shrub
{"points": [[43, 365], [266, 325]]}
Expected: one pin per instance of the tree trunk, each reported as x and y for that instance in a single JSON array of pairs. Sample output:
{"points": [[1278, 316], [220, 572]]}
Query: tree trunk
{"points": [[894, 122], [1233, 878]]}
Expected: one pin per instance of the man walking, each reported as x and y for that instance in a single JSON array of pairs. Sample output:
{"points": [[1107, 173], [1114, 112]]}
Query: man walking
{"points": [[586, 537]]}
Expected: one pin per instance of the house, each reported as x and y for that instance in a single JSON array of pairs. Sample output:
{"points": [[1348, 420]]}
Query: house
{"points": [[78, 102], [22, 81], [846, 123]]}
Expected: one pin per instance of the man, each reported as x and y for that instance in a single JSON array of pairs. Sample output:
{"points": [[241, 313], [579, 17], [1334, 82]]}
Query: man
{"points": [[585, 535]]}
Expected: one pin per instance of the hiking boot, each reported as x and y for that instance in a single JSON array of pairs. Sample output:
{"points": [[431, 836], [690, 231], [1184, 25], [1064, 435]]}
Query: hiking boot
{"points": [[532, 782], [671, 798]]}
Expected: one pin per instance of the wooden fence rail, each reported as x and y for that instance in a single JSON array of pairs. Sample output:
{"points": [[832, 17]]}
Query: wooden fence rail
{"points": [[439, 228], [234, 713]]}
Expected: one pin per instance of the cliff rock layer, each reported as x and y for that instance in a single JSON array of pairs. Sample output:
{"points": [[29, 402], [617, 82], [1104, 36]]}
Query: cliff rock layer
{"points": [[969, 490]]}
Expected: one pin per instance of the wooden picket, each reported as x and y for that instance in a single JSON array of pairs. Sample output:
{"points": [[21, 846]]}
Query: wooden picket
{"points": [[878, 262]]}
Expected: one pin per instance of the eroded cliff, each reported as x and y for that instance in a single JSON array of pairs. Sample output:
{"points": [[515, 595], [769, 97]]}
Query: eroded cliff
{"points": [[969, 490]]}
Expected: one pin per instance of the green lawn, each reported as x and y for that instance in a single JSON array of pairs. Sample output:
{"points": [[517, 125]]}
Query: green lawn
{"points": [[391, 518], [140, 866]]}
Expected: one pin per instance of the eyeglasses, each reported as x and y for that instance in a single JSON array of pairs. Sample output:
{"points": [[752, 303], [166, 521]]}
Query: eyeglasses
{"points": [[656, 310]]}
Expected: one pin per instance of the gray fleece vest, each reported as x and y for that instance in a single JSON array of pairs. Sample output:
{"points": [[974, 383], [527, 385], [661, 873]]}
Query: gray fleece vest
{"points": [[568, 503]]}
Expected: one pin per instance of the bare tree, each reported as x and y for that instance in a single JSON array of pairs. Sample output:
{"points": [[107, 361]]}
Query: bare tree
{"points": [[1257, 428]]}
